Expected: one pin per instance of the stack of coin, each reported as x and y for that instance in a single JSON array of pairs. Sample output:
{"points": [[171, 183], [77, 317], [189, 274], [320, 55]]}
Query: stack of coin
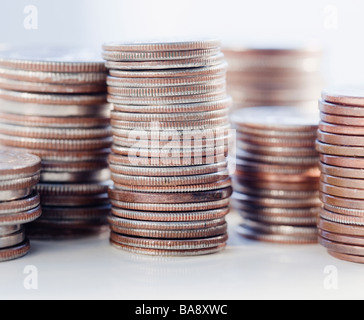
{"points": [[341, 147], [276, 185], [19, 202], [53, 104], [171, 135], [274, 77]]}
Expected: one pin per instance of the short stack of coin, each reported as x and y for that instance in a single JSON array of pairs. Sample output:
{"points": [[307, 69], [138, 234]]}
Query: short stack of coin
{"points": [[341, 146], [274, 77], [19, 201], [53, 104], [276, 185], [171, 135]]}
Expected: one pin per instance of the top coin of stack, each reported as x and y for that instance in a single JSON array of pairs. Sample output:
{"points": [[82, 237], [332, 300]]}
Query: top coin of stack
{"points": [[277, 178], [274, 77], [341, 146], [53, 104], [171, 135]]}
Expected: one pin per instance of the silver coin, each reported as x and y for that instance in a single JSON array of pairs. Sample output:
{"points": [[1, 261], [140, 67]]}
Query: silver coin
{"points": [[7, 230], [74, 177]]}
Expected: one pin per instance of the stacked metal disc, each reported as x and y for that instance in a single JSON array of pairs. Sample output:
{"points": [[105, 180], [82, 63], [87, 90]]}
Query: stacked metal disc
{"points": [[168, 163], [276, 185], [341, 147], [19, 202], [54, 106], [274, 77]]}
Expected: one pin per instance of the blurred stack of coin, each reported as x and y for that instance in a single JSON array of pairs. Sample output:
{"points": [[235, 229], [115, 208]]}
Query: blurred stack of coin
{"points": [[274, 77], [53, 104], [19, 201], [276, 185], [341, 147], [171, 135]]}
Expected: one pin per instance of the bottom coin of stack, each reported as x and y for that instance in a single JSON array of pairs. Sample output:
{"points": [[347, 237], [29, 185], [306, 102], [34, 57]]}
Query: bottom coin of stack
{"points": [[277, 178], [19, 202], [341, 147]]}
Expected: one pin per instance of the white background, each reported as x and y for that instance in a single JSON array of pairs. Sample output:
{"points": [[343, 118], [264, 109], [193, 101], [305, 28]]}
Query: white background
{"points": [[90, 268], [239, 22]]}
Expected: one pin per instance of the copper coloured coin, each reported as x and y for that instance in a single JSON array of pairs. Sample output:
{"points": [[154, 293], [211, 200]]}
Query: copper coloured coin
{"points": [[55, 133], [276, 238], [340, 139], [349, 240], [164, 226], [340, 110], [336, 201], [21, 218], [343, 192], [346, 249], [15, 165], [276, 203], [171, 234], [345, 162], [220, 184], [355, 121], [346, 257], [168, 217], [167, 64], [341, 129], [14, 252], [111, 55], [52, 59], [168, 253], [278, 220], [334, 227], [142, 197], [277, 118], [276, 142], [174, 45], [352, 96], [329, 149], [21, 205], [343, 213], [277, 134], [258, 182], [174, 207], [60, 78], [24, 86], [54, 122], [350, 183]]}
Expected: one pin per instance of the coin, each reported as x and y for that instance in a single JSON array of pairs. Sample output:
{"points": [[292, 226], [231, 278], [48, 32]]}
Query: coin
{"points": [[72, 189], [335, 150], [341, 110], [343, 192], [82, 213], [168, 253], [17, 165], [343, 140], [276, 238], [352, 96], [342, 248], [345, 162], [346, 257], [334, 227], [278, 220], [348, 240], [75, 200], [340, 218], [14, 252], [51, 59], [54, 77], [22, 217], [342, 120], [342, 182], [12, 240], [342, 202], [163, 226], [169, 245], [21, 205], [6, 230], [172, 216], [53, 99], [74, 177], [25, 86]]}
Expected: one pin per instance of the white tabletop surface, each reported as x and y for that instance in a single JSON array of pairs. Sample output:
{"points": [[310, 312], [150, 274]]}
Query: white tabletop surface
{"points": [[92, 269]]}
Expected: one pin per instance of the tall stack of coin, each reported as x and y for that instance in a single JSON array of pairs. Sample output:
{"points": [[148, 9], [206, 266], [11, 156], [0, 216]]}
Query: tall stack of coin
{"points": [[170, 131], [19, 202], [53, 104], [341, 147], [274, 77], [276, 186]]}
